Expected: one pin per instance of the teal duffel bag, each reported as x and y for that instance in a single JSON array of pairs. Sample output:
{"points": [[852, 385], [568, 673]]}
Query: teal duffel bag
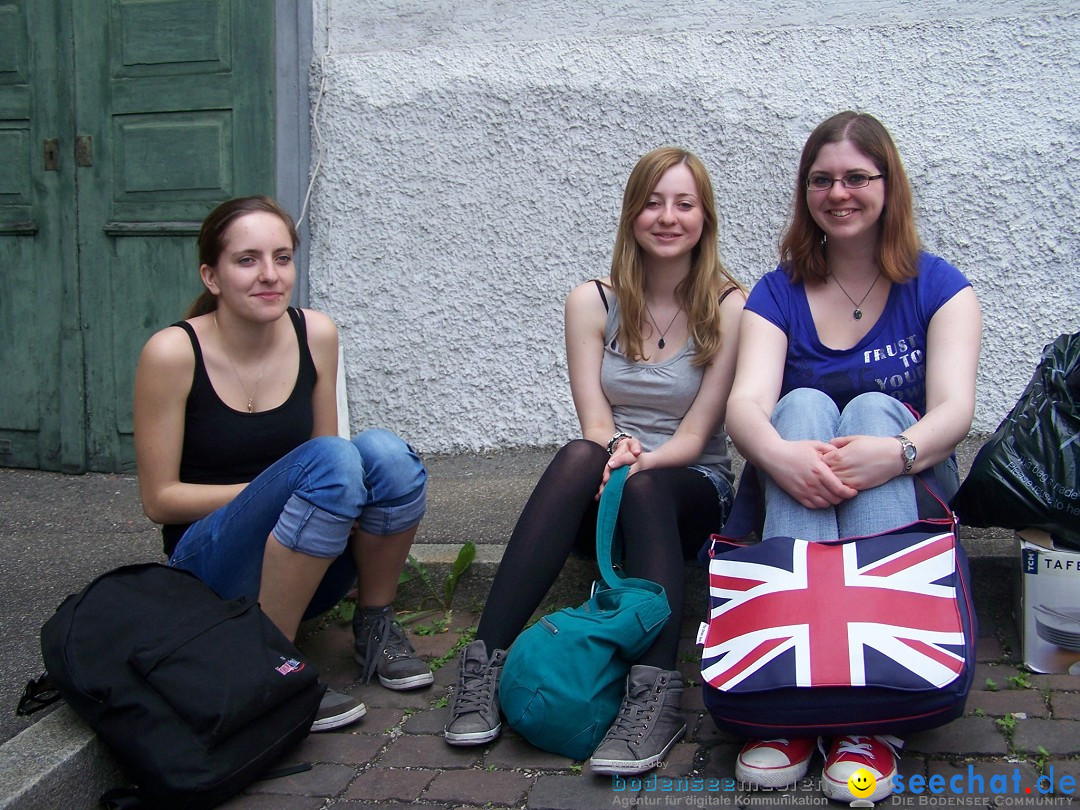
{"points": [[565, 676]]}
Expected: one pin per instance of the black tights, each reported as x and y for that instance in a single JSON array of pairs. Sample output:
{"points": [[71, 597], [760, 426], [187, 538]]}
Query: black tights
{"points": [[665, 517]]}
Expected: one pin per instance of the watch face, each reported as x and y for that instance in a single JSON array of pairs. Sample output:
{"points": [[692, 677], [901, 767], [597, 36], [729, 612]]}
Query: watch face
{"points": [[909, 452]]}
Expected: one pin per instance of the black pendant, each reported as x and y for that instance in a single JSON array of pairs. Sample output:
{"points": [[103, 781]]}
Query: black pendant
{"points": [[662, 344], [857, 314]]}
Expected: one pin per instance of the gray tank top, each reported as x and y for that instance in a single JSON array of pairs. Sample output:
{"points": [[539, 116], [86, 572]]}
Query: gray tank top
{"points": [[649, 400]]}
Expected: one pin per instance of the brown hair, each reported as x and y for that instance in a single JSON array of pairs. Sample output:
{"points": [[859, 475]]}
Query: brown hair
{"points": [[802, 252], [212, 238], [700, 291]]}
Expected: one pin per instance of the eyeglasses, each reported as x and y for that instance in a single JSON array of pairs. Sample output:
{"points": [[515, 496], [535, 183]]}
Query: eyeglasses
{"points": [[822, 182]]}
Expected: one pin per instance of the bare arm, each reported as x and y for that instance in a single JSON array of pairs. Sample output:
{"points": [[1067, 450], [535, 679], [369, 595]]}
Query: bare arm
{"points": [[323, 344], [585, 318], [796, 466], [162, 384]]}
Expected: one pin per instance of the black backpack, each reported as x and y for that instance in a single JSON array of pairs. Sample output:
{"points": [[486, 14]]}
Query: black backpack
{"points": [[196, 696]]}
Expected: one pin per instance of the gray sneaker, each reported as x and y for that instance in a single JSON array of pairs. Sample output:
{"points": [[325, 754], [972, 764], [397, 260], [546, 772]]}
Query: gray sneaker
{"points": [[474, 710], [649, 722], [337, 710], [382, 648]]}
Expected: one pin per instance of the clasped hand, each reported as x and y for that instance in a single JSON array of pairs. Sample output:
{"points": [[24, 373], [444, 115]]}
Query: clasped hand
{"points": [[820, 474], [627, 454]]}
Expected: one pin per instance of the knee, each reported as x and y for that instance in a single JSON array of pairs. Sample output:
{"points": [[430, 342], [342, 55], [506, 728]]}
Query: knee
{"points": [[580, 453], [875, 413], [391, 465], [805, 399], [334, 461], [806, 413]]}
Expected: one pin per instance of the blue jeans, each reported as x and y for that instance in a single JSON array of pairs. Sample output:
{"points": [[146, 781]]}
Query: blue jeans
{"points": [[309, 499], [807, 413]]}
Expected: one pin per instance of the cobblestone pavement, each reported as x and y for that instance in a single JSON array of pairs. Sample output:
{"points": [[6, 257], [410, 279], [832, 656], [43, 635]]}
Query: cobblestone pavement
{"points": [[1019, 739]]}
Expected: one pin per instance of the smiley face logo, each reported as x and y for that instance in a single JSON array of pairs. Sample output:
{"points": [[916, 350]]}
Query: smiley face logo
{"points": [[861, 783]]}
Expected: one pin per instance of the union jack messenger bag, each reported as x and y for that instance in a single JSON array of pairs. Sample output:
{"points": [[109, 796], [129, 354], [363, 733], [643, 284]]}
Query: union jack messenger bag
{"points": [[867, 635]]}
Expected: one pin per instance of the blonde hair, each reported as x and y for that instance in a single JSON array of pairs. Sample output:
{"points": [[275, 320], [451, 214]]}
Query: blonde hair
{"points": [[699, 293]]}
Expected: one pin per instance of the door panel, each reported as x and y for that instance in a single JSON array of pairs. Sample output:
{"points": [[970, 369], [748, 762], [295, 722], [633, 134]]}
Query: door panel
{"points": [[161, 109], [36, 244], [163, 104]]}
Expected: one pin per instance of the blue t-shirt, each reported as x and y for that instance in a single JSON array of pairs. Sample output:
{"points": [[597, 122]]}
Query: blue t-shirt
{"points": [[891, 357]]}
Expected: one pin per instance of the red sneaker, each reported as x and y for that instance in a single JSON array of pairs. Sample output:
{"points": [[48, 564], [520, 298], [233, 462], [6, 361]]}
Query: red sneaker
{"points": [[850, 754], [774, 763]]}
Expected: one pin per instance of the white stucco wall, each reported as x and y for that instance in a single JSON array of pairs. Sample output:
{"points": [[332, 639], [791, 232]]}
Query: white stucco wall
{"points": [[473, 159]]}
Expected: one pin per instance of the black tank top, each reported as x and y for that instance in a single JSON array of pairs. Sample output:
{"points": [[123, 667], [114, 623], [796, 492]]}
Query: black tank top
{"points": [[226, 446]]}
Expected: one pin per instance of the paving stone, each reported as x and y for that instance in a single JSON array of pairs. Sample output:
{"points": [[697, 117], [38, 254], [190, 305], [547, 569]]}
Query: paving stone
{"points": [[1056, 736], [975, 778], [693, 700], [346, 749], [1066, 705], [575, 792], [250, 802], [910, 765], [377, 721], [512, 752], [999, 674], [680, 760], [415, 751], [383, 784], [376, 696], [1055, 769], [324, 780], [1061, 681], [446, 676], [498, 788], [999, 704], [432, 721], [720, 760], [967, 735]]}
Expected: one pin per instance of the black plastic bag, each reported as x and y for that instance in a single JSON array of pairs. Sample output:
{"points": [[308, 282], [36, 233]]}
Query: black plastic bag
{"points": [[1026, 475]]}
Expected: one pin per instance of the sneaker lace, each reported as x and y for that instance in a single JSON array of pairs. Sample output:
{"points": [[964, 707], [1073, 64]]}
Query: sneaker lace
{"points": [[854, 745], [385, 636], [634, 714], [476, 685]]}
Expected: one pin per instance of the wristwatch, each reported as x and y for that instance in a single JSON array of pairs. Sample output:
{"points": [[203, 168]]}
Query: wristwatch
{"points": [[908, 452]]}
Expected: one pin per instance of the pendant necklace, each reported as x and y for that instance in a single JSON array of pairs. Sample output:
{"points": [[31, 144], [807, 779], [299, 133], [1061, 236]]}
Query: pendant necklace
{"points": [[255, 390], [661, 343], [857, 314]]}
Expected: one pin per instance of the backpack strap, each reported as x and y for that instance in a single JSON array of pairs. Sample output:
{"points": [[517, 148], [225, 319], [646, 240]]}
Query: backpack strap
{"points": [[38, 694]]}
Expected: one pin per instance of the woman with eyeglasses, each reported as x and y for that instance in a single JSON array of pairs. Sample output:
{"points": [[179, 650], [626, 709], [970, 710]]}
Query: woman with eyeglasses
{"points": [[856, 369]]}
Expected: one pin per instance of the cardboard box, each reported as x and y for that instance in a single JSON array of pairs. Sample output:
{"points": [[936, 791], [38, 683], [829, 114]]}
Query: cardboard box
{"points": [[1049, 610]]}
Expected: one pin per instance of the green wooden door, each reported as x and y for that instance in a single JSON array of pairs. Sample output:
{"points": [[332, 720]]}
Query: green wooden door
{"points": [[168, 109], [37, 241]]}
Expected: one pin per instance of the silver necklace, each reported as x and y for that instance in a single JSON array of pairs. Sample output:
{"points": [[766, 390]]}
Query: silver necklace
{"points": [[857, 314], [661, 343], [255, 390]]}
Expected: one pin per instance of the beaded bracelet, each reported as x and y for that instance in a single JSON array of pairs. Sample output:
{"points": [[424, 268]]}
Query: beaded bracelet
{"points": [[613, 442]]}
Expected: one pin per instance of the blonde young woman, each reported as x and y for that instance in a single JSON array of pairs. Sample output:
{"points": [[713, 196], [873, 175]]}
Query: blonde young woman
{"points": [[857, 361], [651, 355], [238, 457]]}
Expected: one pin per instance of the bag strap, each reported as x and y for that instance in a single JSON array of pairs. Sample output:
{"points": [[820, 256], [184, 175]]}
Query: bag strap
{"points": [[606, 519]]}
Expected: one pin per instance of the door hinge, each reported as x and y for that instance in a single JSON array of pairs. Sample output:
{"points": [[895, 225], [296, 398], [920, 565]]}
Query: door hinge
{"points": [[84, 150], [52, 154]]}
